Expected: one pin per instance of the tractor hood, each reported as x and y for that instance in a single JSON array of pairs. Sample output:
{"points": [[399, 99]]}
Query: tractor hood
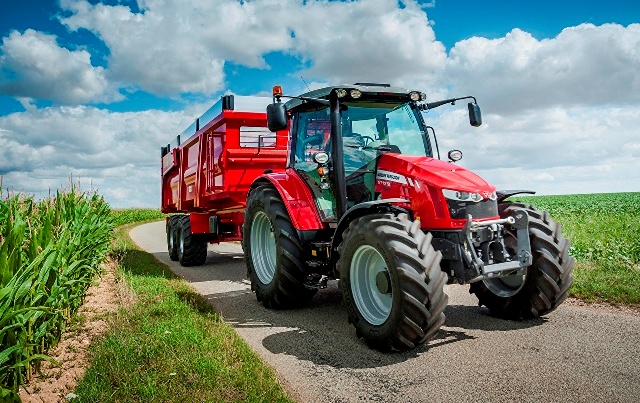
{"points": [[439, 174]]}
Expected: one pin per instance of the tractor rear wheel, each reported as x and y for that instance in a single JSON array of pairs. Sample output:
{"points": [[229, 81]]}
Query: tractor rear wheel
{"points": [[192, 249], [172, 237], [274, 256], [391, 281], [545, 283]]}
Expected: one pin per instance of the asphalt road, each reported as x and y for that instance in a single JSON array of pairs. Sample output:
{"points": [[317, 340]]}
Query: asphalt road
{"points": [[575, 354]]}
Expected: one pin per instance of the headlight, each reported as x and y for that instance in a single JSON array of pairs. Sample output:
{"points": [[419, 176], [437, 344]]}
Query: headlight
{"points": [[462, 196], [461, 203]]}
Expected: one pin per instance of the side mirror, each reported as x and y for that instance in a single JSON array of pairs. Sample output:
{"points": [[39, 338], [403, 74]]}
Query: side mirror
{"points": [[475, 117], [276, 116]]}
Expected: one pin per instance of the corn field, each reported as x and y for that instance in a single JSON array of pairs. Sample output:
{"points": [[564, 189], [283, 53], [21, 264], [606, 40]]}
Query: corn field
{"points": [[50, 251]]}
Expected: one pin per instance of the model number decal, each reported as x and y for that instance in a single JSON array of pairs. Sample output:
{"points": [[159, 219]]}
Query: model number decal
{"points": [[391, 177]]}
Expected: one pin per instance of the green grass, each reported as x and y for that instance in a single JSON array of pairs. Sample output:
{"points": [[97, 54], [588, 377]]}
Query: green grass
{"points": [[131, 215], [170, 345], [604, 230]]}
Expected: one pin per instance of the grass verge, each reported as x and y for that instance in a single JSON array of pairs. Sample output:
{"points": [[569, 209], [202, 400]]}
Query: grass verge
{"points": [[170, 345]]}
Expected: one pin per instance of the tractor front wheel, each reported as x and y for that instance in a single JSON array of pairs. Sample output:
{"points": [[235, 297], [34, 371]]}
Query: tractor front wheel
{"points": [[274, 256], [192, 250], [545, 283], [391, 281]]}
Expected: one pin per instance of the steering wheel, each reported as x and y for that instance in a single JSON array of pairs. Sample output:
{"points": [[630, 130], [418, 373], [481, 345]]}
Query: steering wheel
{"points": [[367, 140]]}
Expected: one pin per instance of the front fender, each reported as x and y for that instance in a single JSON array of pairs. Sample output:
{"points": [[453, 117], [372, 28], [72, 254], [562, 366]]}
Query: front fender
{"points": [[296, 197], [362, 209]]}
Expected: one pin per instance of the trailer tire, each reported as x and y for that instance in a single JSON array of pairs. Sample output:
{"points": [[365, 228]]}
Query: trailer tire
{"points": [[273, 253], [172, 237], [192, 249], [404, 306], [545, 283]]}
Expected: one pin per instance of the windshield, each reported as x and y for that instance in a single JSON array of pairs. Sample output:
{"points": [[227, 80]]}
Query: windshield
{"points": [[367, 128], [397, 127]]}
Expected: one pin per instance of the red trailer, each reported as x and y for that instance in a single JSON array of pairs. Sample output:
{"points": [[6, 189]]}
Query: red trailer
{"points": [[207, 172]]}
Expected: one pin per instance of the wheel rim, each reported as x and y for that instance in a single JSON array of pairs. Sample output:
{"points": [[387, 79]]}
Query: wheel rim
{"points": [[509, 286], [263, 248], [181, 243], [367, 264]]}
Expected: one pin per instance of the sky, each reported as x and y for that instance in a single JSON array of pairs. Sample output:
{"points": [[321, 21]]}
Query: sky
{"points": [[90, 90]]}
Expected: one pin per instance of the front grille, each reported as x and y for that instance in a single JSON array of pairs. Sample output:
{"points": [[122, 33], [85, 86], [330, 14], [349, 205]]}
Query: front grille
{"points": [[484, 209]]}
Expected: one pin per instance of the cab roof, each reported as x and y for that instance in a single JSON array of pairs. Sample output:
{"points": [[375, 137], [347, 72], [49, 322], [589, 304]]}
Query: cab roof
{"points": [[368, 90]]}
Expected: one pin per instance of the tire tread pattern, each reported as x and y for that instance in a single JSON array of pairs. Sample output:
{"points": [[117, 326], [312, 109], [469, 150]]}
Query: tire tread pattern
{"points": [[195, 249], [287, 289], [421, 281]]}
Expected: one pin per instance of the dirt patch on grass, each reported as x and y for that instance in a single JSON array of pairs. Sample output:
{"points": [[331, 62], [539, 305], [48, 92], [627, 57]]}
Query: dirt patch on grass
{"points": [[52, 383]]}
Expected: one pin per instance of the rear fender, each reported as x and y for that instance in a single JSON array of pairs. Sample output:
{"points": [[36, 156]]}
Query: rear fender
{"points": [[296, 196]]}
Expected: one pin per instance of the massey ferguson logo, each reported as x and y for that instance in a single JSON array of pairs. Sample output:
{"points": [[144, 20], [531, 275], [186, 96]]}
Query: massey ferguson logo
{"points": [[486, 194], [389, 176]]}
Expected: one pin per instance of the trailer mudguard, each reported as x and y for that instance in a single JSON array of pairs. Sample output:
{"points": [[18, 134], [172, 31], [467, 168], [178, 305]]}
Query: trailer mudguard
{"points": [[297, 198]]}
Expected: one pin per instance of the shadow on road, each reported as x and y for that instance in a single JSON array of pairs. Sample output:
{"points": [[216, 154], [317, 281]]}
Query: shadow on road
{"points": [[319, 332], [478, 318]]}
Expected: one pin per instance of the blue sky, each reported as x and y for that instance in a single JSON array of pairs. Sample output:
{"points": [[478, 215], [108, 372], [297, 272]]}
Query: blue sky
{"points": [[91, 89]]}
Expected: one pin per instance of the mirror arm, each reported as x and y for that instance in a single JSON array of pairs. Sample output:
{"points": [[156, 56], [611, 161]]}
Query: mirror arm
{"points": [[452, 101]]}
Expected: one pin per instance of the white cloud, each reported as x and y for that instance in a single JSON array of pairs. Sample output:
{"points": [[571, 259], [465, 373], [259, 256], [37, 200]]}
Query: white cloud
{"points": [[118, 153], [583, 65], [372, 40], [553, 150], [32, 65], [175, 47]]}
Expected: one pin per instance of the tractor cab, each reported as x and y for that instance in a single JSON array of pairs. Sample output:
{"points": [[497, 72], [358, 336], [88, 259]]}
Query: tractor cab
{"points": [[369, 120]]}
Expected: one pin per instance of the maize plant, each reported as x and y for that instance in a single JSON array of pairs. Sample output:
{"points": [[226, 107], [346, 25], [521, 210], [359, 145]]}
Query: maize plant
{"points": [[50, 251]]}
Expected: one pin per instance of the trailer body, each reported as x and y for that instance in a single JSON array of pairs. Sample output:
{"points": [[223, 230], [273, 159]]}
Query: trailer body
{"points": [[208, 169]]}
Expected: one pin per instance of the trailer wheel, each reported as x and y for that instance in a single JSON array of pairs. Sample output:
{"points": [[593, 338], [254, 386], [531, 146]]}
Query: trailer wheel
{"points": [[274, 256], [391, 281], [192, 249], [545, 283], [172, 237]]}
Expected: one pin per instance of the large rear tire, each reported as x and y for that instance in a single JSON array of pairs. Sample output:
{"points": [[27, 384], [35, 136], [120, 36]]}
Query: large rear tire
{"points": [[545, 283], [192, 249], [172, 237], [391, 281], [273, 254]]}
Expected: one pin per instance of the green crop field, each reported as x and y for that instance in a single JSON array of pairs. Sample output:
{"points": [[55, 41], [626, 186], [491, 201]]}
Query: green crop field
{"points": [[50, 252], [604, 230]]}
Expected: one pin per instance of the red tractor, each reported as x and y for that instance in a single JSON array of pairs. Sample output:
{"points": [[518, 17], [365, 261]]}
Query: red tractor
{"points": [[359, 197]]}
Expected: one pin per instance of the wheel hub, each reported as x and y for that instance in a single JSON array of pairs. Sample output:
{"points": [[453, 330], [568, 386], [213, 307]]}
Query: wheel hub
{"points": [[383, 282]]}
